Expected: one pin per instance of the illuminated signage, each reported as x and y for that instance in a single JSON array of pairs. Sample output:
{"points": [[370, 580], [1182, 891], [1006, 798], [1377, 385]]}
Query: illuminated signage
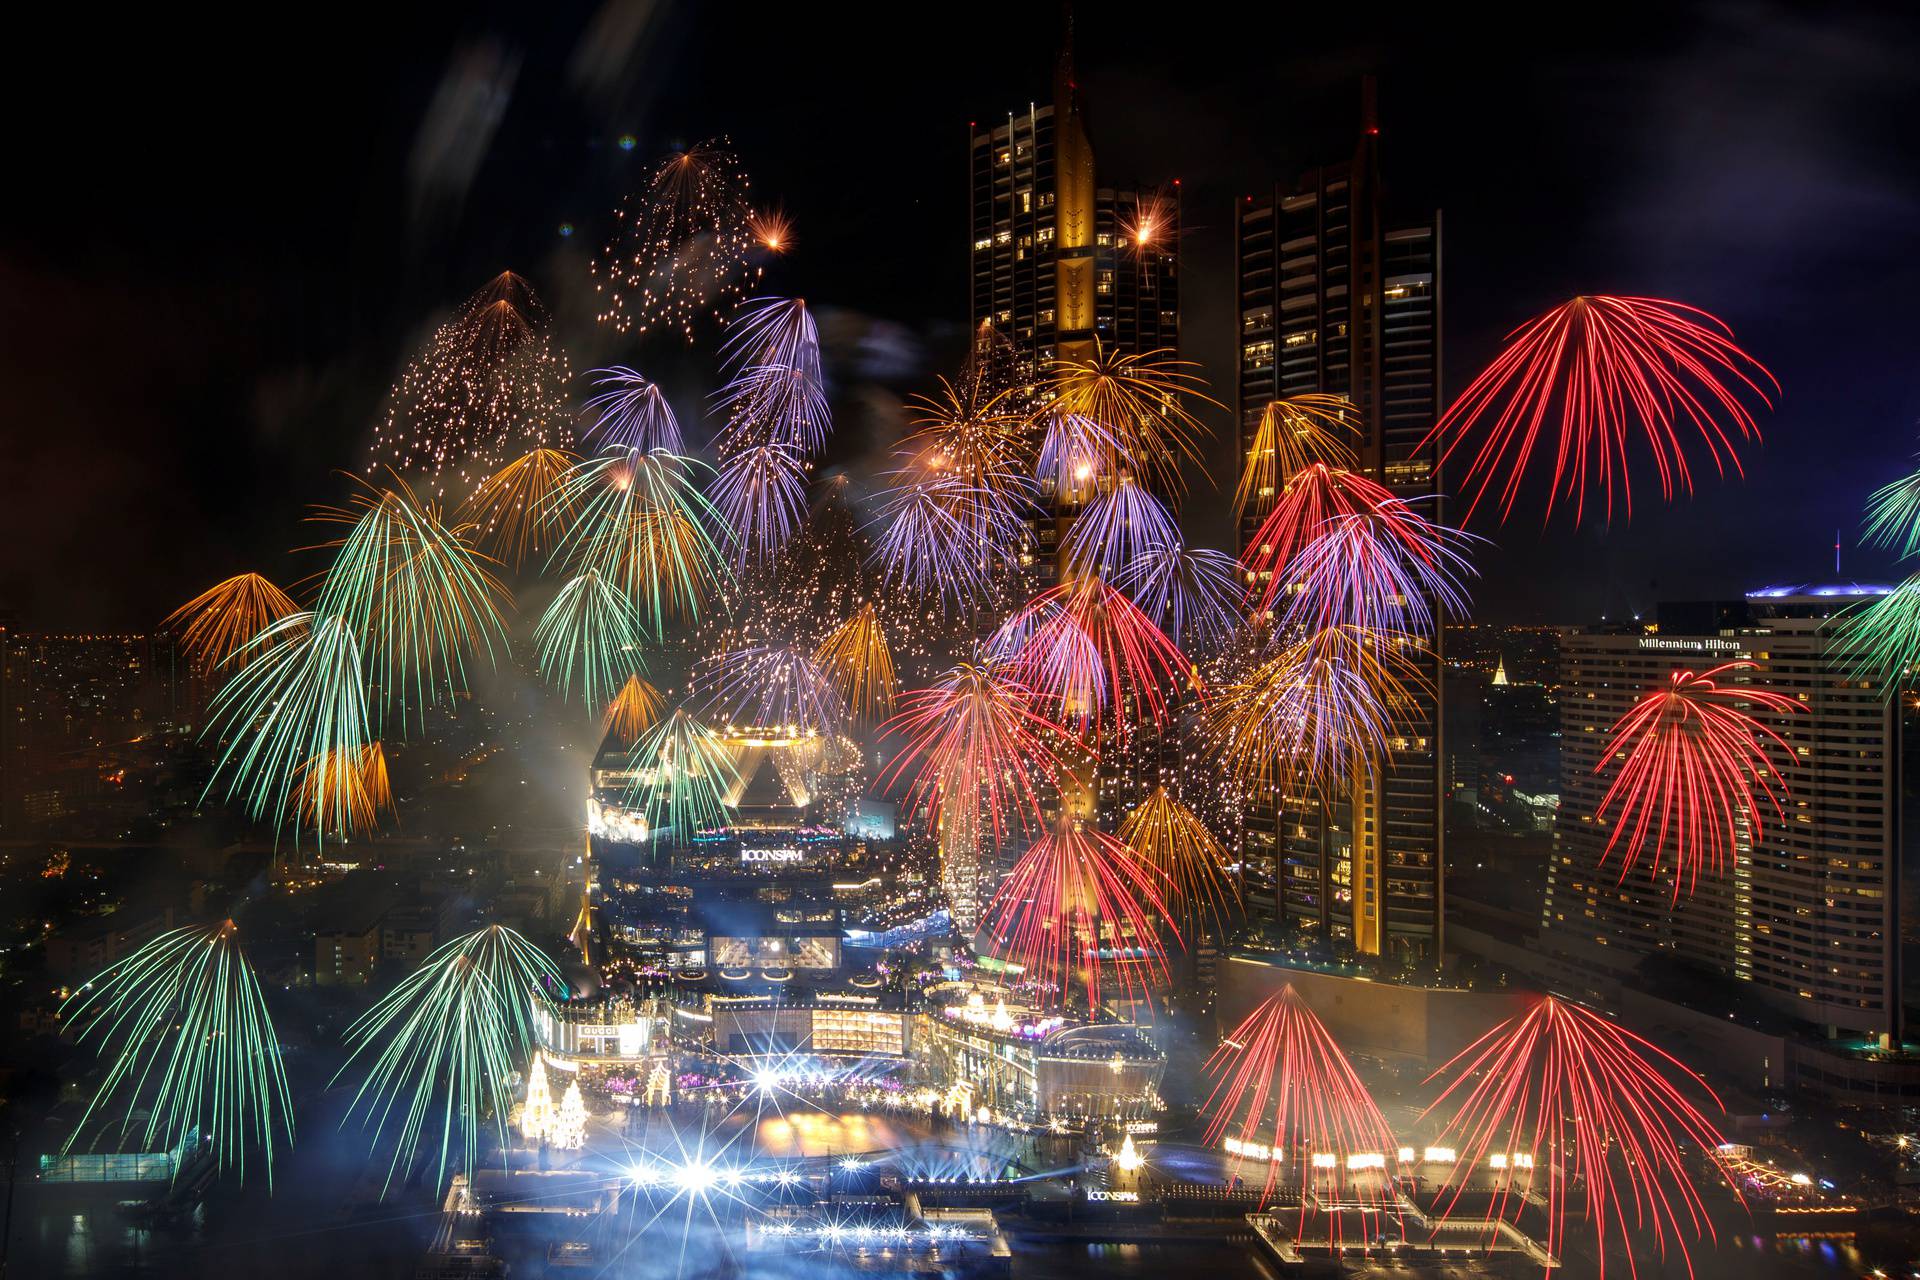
{"points": [[1119, 1197], [784, 854], [1703, 645]]}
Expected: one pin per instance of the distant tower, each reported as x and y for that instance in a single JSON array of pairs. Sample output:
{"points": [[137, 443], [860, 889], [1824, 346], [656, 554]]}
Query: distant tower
{"points": [[1500, 673]]}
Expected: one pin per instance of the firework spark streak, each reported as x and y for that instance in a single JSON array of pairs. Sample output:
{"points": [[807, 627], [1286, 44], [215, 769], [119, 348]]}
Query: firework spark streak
{"points": [[1893, 517], [1116, 528], [1389, 570], [1320, 712], [1141, 399], [1561, 1095], [1086, 649], [1193, 595], [856, 661], [1881, 641], [1310, 498], [1611, 365], [1076, 454], [1079, 905], [589, 637], [1190, 863], [681, 770], [490, 384], [633, 414], [977, 751], [1692, 766], [946, 539], [681, 246], [761, 494], [770, 687], [778, 392], [643, 525], [218, 622], [453, 1032], [634, 710], [415, 594], [520, 506], [191, 1045], [368, 792], [1282, 1085], [1293, 434], [298, 697]]}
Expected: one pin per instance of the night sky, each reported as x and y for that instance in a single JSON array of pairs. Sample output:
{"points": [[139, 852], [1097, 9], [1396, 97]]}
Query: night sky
{"points": [[221, 242]]}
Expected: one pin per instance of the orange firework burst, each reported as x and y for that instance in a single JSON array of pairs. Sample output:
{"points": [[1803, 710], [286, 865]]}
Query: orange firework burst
{"points": [[220, 620], [1081, 906], [1141, 402], [1172, 839], [521, 506], [1287, 1100], [856, 661], [1693, 765], [1293, 434], [1562, 1096], [633, 710], [772, 230], [344, 791]]}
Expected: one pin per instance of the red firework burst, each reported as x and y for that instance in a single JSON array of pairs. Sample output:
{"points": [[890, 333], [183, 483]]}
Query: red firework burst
{"points": [[977, 750], [1081, 905], [1612, 367], [1312, 496], [1085, 649], [1692, 765], [1562, 1096], [1287, 1101]]}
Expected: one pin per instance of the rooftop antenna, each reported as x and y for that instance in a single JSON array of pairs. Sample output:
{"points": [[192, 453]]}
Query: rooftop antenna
{"points": [[1836, 553]]}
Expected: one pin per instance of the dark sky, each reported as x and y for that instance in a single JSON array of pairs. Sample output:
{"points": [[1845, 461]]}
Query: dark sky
{"points": [[221, 242]]}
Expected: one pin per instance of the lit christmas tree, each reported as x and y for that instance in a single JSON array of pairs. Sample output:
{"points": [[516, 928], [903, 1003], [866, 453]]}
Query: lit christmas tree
{"points": [[536, 1118], [569, 1131]]}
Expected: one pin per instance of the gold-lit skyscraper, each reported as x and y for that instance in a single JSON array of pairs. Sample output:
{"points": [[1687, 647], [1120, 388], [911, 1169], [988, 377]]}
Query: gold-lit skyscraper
{"points": [[1337, 296]]}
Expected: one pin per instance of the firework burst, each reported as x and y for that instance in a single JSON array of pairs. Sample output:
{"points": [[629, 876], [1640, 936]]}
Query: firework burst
{"points": [[774, 687], [1116, 528], [1190, 863], [1141, 399], [1281, 1085], [521, 506], [1693, 765], [355, 786], [978, 753], [491, 384], [634, 710], [1388, 570], [1079, 906], [218, 622], [643, 525], [681, 770], [1294, 434], [943, 539], [1193, 595], [415, 594], [590, 637], [856, 661], [1310, 498], [1086, 650], [633, 413], [1077, 454], [680, 248], [1893, 517], [761, 494], [451, 1032], [1880, 641], [1320, 712], [1614, 368], [1561, 1096], [298, 696], [184, 1027], [778, 393]]}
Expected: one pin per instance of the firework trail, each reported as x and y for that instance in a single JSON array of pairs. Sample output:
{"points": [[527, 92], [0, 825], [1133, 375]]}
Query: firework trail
{"points": [[856, 661], [1388, 570], [190, 1045], [1880, 642], [777, 393], [1086, 650], [1192, 595], [368, 792], [770, 687], [681, 770], [1191, 865], [1141, 399], [1692, 765], [634, 710], [1117, 527], [1294, 434], [1310, 498], [590, 637], [521, 506], [1615, 369], [761, 494]]}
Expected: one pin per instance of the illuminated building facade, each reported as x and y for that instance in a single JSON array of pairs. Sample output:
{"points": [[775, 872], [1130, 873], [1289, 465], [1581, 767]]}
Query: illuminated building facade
{"points": [[1338, 297], [756, 1019], [981, 1052], [595, 1030], [1807, 912]]}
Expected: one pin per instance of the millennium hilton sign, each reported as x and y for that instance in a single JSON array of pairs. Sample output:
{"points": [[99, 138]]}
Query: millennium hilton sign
{"points": [[1706, 644]]}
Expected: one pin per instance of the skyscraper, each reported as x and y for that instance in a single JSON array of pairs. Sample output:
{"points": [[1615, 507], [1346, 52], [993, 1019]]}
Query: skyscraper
{"points": [[1807, 911], [1058, 260], [1339, 296]]}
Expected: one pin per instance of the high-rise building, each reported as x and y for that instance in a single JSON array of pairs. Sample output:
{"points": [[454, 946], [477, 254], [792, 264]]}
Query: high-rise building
{"points": [[1338, 295], [1059, 260], [1806, 911]]}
